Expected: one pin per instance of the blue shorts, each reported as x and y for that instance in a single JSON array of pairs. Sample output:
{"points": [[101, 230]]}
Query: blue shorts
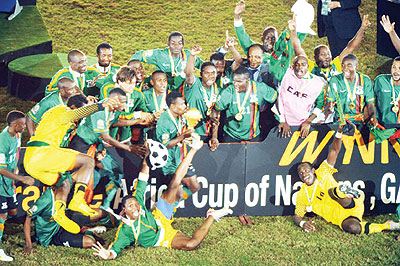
{"points": [[166, 208]]}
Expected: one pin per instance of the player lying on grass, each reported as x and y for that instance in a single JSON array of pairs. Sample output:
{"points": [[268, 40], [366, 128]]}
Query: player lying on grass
{"points": [[49, 232], [149, 229], [339, 204]]}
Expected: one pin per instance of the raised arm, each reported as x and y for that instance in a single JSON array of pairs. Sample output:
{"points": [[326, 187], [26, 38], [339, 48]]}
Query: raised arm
{"points": [[189, 70], [230, 43], [389, 28], [243, 37], [87, 110], [355, 42], [335, 147], [294, 38]]}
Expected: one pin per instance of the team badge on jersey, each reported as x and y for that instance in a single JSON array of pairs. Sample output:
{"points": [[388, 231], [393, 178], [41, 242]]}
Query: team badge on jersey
{"points": [[35, 108], [148, 53], [253, 98], [165, 137], [101, 124], [2, 158], [359, 90]]}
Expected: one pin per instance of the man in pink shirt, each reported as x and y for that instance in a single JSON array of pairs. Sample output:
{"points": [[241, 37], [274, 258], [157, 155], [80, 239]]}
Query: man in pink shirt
{"points": [[300, 98]]}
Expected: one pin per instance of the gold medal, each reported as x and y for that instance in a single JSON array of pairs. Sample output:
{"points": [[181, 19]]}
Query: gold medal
{"points": [[238, 116], [395, 109], [352, 106]]}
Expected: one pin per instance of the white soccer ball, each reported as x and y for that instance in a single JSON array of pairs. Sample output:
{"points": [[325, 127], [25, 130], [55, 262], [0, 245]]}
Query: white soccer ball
{"points": [[158, 156]]}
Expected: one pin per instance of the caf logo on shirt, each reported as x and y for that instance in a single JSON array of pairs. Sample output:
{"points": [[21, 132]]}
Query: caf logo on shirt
{"points": [[33, 209], [35, 108]]}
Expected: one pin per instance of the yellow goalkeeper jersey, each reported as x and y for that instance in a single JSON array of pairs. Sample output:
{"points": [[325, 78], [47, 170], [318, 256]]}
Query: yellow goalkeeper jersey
{"points": [[315, 198], [57, 121]]}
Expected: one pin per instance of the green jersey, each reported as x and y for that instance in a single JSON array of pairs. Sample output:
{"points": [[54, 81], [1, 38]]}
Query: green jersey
{"points": [[146, 228], [386, 95], [155, 103], [167, 129], [91, 127], [42, 211], [247, 126], [83, 81], [202, 99], [107, 74], [48, 102], [164, 61], [9, 153], [353, 96], [135, 101], [144, 85]]}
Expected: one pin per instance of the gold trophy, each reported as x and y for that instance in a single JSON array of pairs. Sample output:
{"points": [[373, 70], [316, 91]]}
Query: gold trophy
{"points": [[193, 116]]}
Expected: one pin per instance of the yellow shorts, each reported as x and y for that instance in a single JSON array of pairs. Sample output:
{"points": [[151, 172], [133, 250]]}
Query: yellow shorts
{"points": [[169, 231], [357, 211], [45, 163]]}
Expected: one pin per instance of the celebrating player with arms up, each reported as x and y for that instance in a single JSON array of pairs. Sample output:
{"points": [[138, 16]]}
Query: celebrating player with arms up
{"points": [[150, 229], [339, 204]]}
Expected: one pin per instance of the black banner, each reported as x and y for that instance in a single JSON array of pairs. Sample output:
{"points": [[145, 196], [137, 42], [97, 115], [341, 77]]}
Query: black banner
{"points": [[260, 178]]}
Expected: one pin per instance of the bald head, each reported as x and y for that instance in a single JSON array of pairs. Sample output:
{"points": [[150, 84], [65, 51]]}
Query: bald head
{"points": [[67, 88], [77, 61]]}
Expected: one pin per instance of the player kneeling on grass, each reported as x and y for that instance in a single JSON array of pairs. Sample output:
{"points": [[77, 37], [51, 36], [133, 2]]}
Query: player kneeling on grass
{"points": [[339, 204], [49, 232], [150, 229]]}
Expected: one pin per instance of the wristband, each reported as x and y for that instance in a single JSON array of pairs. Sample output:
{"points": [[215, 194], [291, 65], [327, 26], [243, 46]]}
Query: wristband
{"points": [[338, 135], [137, 115], [301, 224], [143, 177]]}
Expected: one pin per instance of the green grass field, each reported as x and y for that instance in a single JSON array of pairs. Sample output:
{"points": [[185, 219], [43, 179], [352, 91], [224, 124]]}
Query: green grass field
{"points": [[133, 25]]}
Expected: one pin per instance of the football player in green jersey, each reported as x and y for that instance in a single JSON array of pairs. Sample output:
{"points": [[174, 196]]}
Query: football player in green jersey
{"points": [[67, 88], [151, 229], [10, 144]]}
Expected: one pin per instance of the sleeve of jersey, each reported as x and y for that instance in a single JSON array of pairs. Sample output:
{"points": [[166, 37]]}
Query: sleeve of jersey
{"points": [[138, 56], [325, 171], [338, 65], [311, 65], [369, 92], [141, 188], [3, 155], [198, 62], [41, 204], [147, 56], [163, 134], [243, 37], [319, 102], [76, 114], [301, 203], [269, 94], [36, 113], [190, 88], [122, 239], [223, 100], [99, 123]]}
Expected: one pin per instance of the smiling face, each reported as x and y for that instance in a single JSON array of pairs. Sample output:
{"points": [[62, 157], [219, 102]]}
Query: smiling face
{"points": [[132, 208], [349, 68], [255, 56], [19, 125], [105, 57], [79, 63], [395, 71], [220, 65], [306, 173], [139, 70], [300, 66]]}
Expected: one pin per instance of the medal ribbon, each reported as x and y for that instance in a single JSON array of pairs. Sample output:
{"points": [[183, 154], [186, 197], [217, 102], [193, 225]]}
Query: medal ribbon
{"points": [[178, 125], [395, 100], [313, 194], [209, 102], [162, 103], [351, 94], [174, 69], [136, 231]]}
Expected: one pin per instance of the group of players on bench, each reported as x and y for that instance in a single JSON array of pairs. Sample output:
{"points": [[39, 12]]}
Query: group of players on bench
{"points": [[89, 107]]}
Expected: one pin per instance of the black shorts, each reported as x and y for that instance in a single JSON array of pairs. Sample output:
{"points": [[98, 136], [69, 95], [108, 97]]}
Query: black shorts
{"points": [[7, 203], [65, 238]]}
